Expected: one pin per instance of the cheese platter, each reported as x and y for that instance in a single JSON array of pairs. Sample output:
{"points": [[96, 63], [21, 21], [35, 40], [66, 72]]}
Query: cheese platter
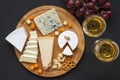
{"points": [[47, 29]]}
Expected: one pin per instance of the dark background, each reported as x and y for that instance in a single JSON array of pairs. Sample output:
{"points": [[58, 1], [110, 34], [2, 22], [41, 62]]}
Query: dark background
{"points": [[89, 68]]}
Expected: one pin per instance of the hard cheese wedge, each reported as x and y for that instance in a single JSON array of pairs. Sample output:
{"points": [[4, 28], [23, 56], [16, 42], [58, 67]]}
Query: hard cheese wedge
{"points": [[17, 38], [48, 22], [46, 50], [31, 49]]}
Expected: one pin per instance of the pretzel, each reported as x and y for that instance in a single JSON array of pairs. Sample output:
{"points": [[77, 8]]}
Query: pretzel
{"points": [[68, 64], [66, 67]]}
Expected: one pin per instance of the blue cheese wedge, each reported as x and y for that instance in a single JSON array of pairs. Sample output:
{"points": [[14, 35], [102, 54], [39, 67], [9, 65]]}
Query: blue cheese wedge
{"points": [[48, 22], [17, 38]]}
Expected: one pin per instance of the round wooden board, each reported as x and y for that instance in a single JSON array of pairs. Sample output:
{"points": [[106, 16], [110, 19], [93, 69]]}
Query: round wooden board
{"points": [[64, 15]]}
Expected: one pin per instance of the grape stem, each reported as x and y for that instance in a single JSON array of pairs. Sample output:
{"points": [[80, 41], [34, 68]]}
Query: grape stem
{"points": [[84, 3]]}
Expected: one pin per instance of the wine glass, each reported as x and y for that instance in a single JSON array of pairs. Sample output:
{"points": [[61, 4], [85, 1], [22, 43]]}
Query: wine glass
{"points": [[94, 26], [106, 50]]}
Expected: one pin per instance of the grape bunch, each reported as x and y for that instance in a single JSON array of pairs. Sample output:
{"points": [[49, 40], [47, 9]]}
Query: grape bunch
{"points": [[85, 8]]}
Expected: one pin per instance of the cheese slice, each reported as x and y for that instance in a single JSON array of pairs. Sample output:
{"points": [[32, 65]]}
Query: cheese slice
{"points": [[67, 51], [33, 38], [46, 50], [32, 42], [31, 49], [29, 52], [73, 39], [28, 58], [48, 22], [17, 38]]}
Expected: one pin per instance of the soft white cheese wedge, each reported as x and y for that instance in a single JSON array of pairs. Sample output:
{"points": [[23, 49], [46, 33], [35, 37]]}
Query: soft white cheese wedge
{"points": [[29, 52], [28, 58], [73, 39], [67, 51], [46, 50], [17, 38]]}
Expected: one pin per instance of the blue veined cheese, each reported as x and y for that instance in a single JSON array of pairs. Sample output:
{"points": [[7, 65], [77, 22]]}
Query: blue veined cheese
{"points": [[48, 22]]}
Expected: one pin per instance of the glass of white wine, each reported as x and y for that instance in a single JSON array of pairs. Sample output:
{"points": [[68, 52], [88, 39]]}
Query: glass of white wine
{"points": [[94, 26], [106, 50]]}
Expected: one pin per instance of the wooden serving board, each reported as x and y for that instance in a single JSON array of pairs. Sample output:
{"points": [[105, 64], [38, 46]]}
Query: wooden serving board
{"points": [[64, 15]]}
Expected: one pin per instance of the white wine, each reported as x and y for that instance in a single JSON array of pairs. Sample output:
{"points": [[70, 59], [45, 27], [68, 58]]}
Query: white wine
{"points": [[94, 26], [106, 50]]}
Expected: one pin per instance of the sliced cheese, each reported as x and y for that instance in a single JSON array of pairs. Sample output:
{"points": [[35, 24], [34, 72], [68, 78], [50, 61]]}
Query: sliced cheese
{"points": [[33, 38], [67, 51], [33, 33], [29, 52], [31, 42], [17, 38], [28, 58], [31, 49], [46, 50], [48, 22]]}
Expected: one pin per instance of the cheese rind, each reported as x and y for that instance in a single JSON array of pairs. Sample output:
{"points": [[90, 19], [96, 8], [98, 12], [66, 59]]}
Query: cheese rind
{"points": [[48, 22], [46, 50], [17, 38], [67, 51]]}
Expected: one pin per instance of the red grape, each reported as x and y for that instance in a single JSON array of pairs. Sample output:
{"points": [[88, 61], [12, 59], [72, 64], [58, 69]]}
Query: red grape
{"points": [[102, 12], [82, 10], [70, 4], [78, 13], [91, 11], [78, 3], [105, 16], [102, 1], [91, 5], [87, 13], [107, 5], [94, 1], [109, 13]]}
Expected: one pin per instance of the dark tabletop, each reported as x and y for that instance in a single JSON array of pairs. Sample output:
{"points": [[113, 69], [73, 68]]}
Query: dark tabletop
{"points": [[89, 68]]}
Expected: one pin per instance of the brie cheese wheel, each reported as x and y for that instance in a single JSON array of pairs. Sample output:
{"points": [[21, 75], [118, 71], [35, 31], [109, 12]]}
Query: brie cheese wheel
{"points": [[17, 38], [48, 22], [67, 51], [46, 50], [72, 39], [28, 58]]}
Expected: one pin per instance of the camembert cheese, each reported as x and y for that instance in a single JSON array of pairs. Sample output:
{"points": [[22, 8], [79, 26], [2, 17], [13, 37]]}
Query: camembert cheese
{"points": [[68, 37], [46, 50]]}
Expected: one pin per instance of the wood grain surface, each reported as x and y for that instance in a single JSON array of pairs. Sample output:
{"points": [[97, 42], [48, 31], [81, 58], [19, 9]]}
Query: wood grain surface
{"points": [[64, 15]]}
